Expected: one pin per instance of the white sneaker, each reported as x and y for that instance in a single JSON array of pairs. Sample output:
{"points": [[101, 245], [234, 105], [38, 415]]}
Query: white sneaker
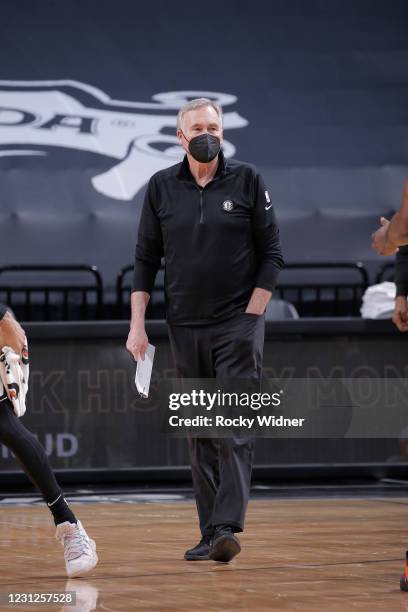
{"points": [[79, 550]]}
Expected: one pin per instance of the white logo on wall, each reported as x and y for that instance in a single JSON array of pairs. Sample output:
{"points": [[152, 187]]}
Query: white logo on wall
{"points": [[74, 115]]}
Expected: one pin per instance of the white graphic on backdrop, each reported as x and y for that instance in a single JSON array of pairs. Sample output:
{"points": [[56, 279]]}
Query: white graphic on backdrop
{"points": [[76, 115]]}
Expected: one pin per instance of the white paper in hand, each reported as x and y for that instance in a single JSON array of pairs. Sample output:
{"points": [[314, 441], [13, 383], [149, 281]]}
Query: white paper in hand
{"points": [[144, 371]]}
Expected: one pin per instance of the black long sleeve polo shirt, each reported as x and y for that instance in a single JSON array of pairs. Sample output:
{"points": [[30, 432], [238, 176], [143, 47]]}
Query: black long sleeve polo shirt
{"points": [[219, 242]]}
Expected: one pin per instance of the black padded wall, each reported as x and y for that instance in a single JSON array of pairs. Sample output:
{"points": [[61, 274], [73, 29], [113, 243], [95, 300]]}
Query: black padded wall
{"points": [[315, 93]]}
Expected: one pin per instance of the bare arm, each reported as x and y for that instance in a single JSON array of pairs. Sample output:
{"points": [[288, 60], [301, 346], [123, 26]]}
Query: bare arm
{"points": [[400, 316], [397, 231], [139, 301], [11, 333], [259, 301], [137, 339], [393, 234]]}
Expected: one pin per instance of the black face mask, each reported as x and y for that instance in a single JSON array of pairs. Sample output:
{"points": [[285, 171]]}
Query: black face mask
{"points": [[204, 148]]}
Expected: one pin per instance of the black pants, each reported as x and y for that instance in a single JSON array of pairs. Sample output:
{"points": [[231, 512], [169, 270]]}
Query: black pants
{"points": [[221, 467], [28, 451]]}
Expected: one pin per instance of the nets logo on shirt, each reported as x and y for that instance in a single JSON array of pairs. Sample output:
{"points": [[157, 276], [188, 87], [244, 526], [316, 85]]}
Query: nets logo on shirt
{"points": [[37, 116], [228, 205]]}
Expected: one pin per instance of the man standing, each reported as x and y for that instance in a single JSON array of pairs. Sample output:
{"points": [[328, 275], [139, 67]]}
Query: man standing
{"points": [[212, 219]]}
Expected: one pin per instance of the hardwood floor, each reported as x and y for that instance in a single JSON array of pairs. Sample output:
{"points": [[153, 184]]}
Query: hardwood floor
{"points": [[309, 554]]}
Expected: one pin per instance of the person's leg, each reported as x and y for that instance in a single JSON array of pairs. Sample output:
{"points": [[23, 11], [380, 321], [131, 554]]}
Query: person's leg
{"points": [[193, 359], [33, 459], [236, 459], [79, 550], [238, 353], [206, 479]]}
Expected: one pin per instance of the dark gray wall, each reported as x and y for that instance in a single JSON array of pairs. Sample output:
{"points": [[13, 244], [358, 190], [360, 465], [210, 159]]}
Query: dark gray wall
{"points": [[85, 409], [321, 94]]}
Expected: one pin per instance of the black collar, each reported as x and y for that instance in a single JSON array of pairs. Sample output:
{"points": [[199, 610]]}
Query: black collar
{"points": [[184, 172]]}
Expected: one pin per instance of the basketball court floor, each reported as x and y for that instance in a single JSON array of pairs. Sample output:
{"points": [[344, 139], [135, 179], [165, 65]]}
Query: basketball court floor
{"points": [[320, 552]]}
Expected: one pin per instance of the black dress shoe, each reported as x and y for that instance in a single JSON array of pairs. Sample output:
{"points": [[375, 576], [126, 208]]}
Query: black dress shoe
{"points": [[225, 545], [201, 552]]}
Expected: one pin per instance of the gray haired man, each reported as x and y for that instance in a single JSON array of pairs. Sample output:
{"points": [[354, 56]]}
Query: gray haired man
{"points": [[213, 221]]}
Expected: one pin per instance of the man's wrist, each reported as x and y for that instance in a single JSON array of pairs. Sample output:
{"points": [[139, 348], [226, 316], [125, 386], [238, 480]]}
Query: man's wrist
{"points": [[254, 310], [389, 234], [137, 324]]}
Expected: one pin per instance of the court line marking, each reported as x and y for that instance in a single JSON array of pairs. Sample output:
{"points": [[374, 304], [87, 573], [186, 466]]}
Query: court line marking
{"points": [[389, 501], [226, 565]]}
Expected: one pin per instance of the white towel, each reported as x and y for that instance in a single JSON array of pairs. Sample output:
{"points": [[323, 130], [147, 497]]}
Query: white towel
{"points": [[14, 372], [378, 301]]}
